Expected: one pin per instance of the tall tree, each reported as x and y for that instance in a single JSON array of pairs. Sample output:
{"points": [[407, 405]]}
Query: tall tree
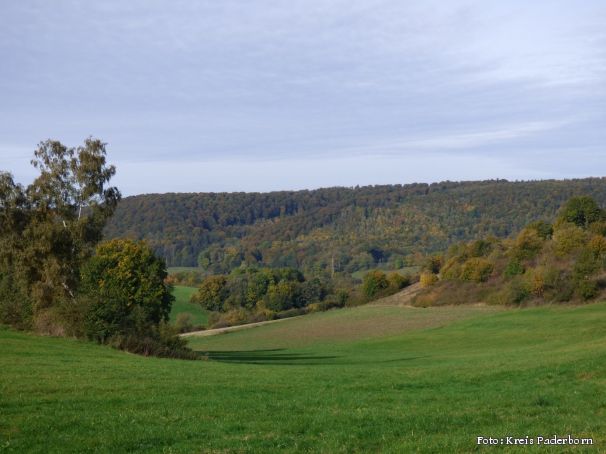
{"points": [[582, 211], [52, 226]]}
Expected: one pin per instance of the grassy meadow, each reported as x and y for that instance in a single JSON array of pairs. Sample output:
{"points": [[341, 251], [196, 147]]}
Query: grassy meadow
{"points": [[181, 304], [367, 379]]}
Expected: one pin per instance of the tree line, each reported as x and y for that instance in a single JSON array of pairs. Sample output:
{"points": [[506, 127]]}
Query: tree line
{"points": [[58, 278], [257, 294]]}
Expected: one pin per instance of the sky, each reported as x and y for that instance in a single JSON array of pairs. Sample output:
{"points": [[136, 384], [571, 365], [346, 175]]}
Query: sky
{"points": [[262, 95]]}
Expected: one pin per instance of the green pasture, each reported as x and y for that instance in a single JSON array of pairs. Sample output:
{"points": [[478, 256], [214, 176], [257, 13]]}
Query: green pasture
{"points": [[431, 382], [181, 304]]}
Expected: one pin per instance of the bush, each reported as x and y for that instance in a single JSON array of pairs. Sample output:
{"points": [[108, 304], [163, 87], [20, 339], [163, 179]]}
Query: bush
{"points": [[295, 312], [568, 238], [231, 317], [543, 229], [527, 245], [476, 269], [586, 265], [427, 279], [597, 246], [16, 308], [183, 322], [212, 293], [536, 282], [47, 322], [281, 296], [374, 282], [480, 248], [559, 285], [397, 281], [598, 228], [162, 341], [337, 299], [587, 289], [514, 268], [452, 269], [432, 264], [515, 292]]}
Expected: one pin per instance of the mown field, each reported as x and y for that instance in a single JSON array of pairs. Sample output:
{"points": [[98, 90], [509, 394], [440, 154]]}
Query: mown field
{"points": [[314, 384], [181, 304]]}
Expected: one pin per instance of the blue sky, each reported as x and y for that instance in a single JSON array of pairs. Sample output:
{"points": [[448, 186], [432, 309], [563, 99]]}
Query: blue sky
{"points": [[264, 95]]}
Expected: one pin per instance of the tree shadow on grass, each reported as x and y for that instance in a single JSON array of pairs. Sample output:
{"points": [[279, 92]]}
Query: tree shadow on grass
{"points": [[279, 356], [269, 356]]}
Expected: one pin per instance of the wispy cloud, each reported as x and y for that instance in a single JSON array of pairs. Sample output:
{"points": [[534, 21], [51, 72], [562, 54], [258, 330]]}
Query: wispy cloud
{"points": [[199, 81]]}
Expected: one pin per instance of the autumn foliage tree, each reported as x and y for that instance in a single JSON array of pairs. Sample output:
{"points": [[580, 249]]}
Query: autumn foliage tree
{"points": [[126, 282], [50, 228]]}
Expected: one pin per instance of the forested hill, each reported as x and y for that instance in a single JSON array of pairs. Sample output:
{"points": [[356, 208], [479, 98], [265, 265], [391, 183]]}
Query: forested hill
{"points": [[352, 228]]}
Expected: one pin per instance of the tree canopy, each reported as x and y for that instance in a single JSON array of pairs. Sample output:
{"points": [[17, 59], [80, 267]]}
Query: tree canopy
{"points": [[126, 280], [50, 228], [340, 229]]}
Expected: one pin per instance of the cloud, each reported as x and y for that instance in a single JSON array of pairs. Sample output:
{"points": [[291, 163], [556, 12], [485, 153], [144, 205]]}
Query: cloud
{"points": [[266, 81]]}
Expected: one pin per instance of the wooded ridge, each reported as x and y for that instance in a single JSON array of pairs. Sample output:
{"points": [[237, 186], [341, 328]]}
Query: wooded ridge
{"points": [[346, 229]]}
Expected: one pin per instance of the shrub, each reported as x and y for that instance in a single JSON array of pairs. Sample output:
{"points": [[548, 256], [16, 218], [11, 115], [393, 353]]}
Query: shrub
{"points": [[586, 265], [515, 292], [543, 229], [480, 248], [476, 269], [281, 296], [597, 246], [374, 282], [211, 295], [397, 281], [568, 238], [536, 282], [162, 341], [527, 245], [428, 279], [598, 228], [294, 312], [16, 308], [587, 288], [559, 285], [432, 264], [451, 269], [514, 268], [337, 299], [48, 323], [184, 323]]}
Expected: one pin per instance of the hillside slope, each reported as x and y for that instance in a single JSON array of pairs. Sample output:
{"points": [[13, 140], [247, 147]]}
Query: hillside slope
{"points": [[347, 229]]}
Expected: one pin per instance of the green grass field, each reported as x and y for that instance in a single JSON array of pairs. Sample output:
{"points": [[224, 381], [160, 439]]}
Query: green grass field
{"points": [[432, 381], [181, 304]]}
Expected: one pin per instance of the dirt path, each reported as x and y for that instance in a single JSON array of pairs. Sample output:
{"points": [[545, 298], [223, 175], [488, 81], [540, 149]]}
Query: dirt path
{"points": [[402, 298], [228, 329]]}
